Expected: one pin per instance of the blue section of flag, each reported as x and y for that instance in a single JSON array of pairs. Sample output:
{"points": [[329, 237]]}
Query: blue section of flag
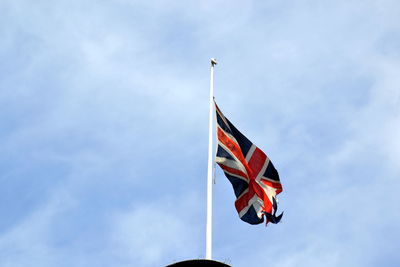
{"points": [[251, 217], [239, 185], [271, 172]]}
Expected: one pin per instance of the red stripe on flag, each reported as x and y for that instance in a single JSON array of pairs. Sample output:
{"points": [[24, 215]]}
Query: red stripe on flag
{"points": [[259, 191], [257, 161], [243, 201], [267, 205], [233, 148]]}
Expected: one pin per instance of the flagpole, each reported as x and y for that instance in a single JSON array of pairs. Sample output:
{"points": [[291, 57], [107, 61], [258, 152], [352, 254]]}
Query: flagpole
{"points": [[210, 164]]}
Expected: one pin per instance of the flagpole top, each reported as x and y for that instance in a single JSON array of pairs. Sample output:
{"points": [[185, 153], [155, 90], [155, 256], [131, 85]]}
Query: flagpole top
{"points": [[213, 62]]}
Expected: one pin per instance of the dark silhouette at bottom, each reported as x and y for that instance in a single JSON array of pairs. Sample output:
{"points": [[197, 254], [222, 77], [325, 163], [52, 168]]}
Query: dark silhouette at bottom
{"points": [[205, 263]]}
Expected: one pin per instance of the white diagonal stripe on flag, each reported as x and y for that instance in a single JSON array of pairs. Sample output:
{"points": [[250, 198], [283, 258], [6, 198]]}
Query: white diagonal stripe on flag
{"points": [[250, 153]]}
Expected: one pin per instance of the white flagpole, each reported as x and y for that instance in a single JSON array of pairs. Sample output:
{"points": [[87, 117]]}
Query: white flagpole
{"points": [[210, 165]]}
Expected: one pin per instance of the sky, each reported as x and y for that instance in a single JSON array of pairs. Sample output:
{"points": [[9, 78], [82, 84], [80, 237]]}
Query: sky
{"points": [[104, 130]]}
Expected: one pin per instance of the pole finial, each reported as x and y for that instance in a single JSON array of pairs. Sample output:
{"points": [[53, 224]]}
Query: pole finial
{"points": [[213, 61]]}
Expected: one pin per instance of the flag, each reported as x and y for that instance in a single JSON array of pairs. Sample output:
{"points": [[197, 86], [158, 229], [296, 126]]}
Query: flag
{"points": [[254, 178]]}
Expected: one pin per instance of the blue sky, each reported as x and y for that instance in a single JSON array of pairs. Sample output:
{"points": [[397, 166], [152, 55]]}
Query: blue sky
{"points": [[104, 116]]}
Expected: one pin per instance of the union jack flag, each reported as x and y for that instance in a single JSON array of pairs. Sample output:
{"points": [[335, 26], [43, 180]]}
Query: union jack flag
{"points": [[254, 178]]}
